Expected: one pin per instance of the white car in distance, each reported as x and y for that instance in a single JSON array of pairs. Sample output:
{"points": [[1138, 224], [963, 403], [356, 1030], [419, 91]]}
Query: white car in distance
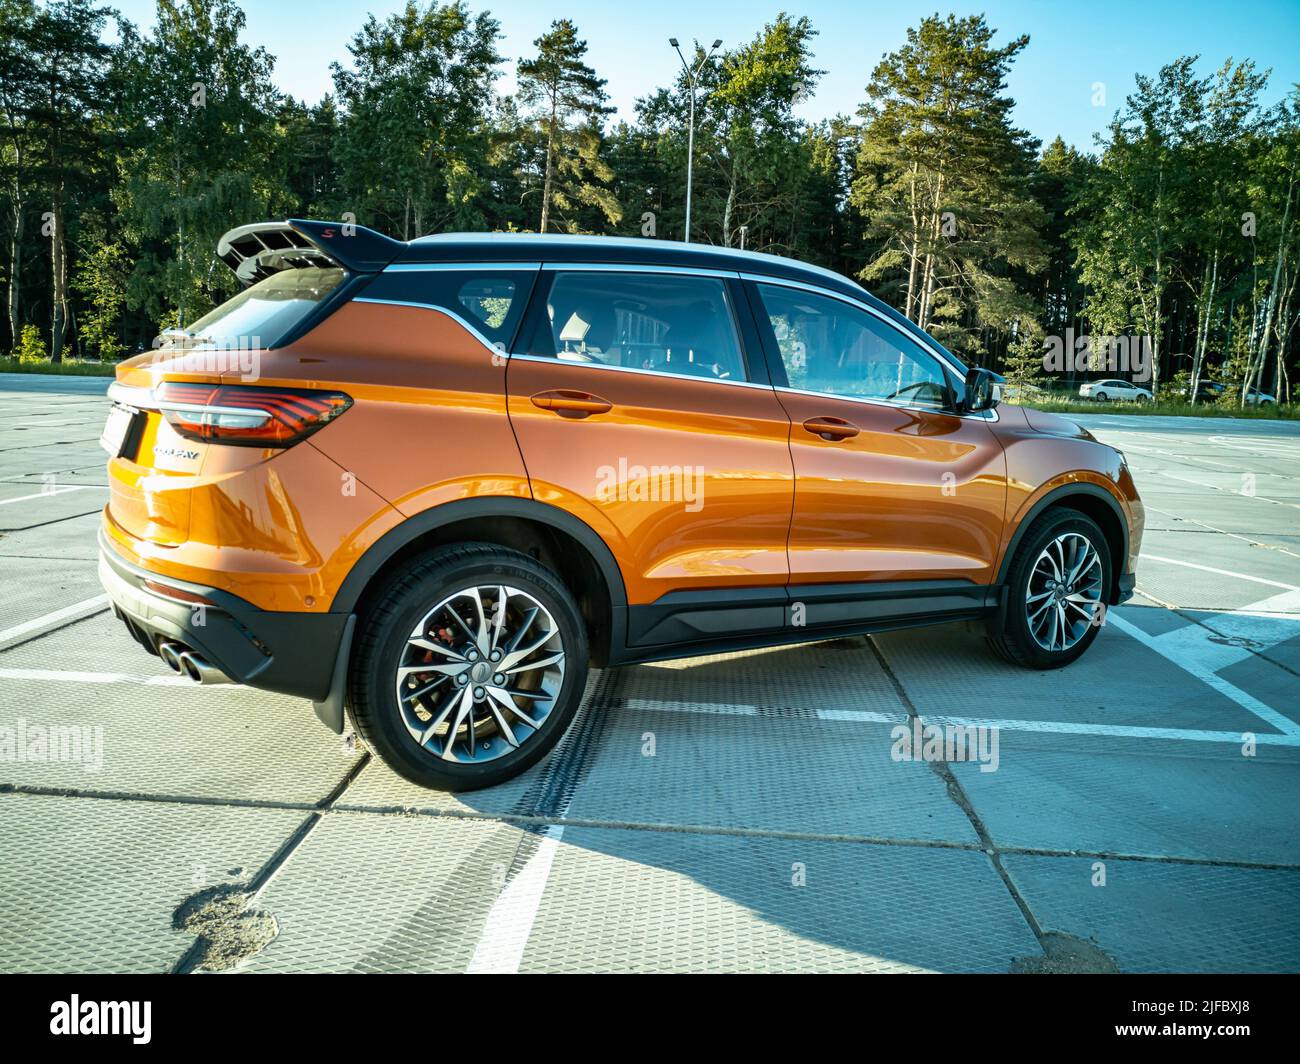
{"points": [[1112, 390]]}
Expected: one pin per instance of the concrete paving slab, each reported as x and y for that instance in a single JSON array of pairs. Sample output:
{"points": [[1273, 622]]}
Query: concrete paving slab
{"points": [[1272, 675], [91, 886], [28, 506], [169, 738], [35, 587], [73, 539], [369, 893], [1153, 917], [1162, 799], [709, 766], [758, 773], [1150, 617], [841, 674], [951, 672], [19, 465], [1197, 585], [652, 901], [1230, 513]]}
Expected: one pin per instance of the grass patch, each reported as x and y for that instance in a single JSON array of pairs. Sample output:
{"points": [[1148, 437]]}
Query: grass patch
{"points": [[66, 368], [1272, 412]]}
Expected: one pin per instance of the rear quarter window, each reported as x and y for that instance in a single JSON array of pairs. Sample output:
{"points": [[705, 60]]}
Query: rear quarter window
{"points": [[491, 302]]}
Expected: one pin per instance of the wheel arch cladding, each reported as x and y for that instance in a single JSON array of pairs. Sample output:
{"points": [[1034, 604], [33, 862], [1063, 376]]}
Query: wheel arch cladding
{"points": [[566, 545], [1091, 501]]}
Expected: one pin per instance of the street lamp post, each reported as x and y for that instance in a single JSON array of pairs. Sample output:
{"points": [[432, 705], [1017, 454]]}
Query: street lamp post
{"points": [[692, 79]]}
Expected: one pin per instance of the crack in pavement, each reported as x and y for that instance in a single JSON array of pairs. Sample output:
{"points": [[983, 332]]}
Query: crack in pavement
{"points": [[339, 809]]}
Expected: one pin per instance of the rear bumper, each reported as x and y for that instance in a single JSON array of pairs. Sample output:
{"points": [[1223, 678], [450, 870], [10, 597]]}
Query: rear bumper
{"points": [[290, 653]]}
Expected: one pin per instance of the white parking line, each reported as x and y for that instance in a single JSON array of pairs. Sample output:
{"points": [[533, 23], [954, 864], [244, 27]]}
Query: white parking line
{"points": [[510, 920], [1260, 446], [720, 708], [54, 491], [1222, 572], [496, 943], [1055, 727], [63, 676], [76, 611], [1194, 652]]}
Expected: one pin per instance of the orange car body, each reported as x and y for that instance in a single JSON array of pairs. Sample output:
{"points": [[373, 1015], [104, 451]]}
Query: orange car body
{"points": [[910, 519]]}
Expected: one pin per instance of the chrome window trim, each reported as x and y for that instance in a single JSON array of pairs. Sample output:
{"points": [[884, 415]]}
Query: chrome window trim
{"points": [[979, 415], [555, 360], [629, 267]]}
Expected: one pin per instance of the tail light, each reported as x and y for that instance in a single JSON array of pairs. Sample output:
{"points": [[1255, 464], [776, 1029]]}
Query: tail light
{"points": [[247, 416]]}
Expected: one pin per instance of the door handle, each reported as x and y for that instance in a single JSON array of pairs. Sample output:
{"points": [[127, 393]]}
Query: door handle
{"points": [[831, 429], [573, 404]]}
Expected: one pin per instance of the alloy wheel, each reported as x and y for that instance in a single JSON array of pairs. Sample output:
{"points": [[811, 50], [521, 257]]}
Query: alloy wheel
{"points": [[1064, 594], [480, 674]]}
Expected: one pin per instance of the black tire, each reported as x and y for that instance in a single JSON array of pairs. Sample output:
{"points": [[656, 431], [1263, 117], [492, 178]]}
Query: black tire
{"points": [[1009, 634], [382, 632], [1102, 397]]}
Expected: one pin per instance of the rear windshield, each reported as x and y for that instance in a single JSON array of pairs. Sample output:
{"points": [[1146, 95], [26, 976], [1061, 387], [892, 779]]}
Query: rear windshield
{"points": [[264, 313]]}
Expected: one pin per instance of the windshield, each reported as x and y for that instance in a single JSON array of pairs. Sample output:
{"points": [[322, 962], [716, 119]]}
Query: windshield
{"points": [[261, 315]]}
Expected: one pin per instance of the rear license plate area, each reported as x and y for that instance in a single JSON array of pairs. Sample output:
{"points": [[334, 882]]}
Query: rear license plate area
{"points": [[121, 433]]}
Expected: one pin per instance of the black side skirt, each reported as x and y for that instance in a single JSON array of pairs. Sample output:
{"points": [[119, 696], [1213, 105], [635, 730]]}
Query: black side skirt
{"points": [[682, 623]]}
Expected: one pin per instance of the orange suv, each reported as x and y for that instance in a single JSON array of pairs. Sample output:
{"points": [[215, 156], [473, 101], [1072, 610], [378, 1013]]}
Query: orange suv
{"points": [[429, 483]]}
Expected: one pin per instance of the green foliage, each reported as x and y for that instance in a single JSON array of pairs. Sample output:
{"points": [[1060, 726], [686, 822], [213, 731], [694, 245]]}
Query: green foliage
{"points": [[30, 348], [414, 148], [121, 165], [560, 87], [1024, 362], [101, 279], [199, 154], [751, 156], [942, 181]]}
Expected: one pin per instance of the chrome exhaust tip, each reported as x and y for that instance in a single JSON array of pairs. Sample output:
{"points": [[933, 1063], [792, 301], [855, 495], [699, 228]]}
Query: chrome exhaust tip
{"points": [[171, 654], [200, 670]]}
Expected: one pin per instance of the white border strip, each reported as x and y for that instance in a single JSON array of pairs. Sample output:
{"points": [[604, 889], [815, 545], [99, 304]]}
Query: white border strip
{"points": [[78, 610], [510, 920], [52, 492], [1221, 572]]}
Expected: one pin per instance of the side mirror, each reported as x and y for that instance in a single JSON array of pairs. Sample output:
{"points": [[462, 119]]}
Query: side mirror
{"points": [[983, 390]]}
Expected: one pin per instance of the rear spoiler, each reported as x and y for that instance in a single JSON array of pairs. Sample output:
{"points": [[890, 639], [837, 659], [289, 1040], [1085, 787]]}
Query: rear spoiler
{"points": [[257, 251]]}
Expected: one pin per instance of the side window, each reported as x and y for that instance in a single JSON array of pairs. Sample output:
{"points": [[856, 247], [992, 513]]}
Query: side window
{"points": [[491, 302], [829, 346], [487, 301], [659, 322]]}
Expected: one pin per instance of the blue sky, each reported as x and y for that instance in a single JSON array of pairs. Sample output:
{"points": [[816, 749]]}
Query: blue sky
{"points": [[1072, 46]]}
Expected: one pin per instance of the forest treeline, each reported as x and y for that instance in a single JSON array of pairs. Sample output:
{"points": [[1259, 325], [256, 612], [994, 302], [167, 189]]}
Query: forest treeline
{"points": [[126, 152]]}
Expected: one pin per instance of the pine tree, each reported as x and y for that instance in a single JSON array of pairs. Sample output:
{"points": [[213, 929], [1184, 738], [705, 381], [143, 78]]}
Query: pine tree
{"points": [[558, 82], [942, 180]]}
